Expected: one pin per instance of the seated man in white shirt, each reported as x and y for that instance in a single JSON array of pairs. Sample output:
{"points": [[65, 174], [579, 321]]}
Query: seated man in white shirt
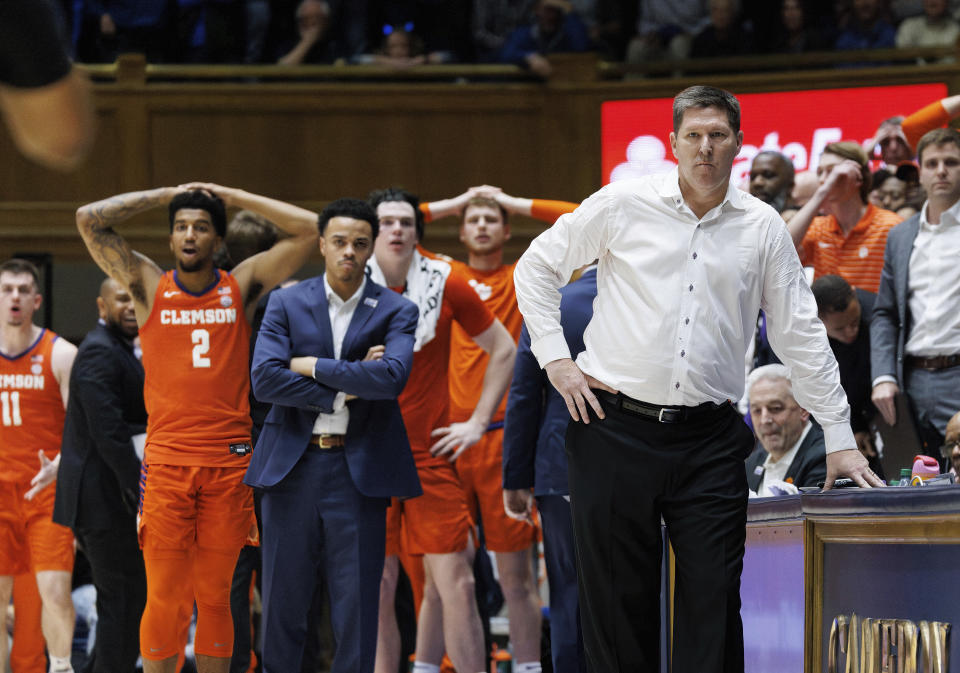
{"points": [[789, 446]]}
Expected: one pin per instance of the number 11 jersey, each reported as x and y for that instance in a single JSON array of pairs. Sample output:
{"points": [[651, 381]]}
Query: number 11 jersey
{"points": [[197, 374]]}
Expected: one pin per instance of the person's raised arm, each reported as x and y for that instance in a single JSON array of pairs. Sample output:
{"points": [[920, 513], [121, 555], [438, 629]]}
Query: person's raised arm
{"points": [[46, 101], [137, 273], [260, 273], [456, 204], [457, 437], [52, 124], [843, 174]]}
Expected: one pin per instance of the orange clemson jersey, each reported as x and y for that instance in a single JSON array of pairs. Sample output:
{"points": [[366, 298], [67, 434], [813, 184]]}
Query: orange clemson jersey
{"points": [[31, 409], [196, 351]]}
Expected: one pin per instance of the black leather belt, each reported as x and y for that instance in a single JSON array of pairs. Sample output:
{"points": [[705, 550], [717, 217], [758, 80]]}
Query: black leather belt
{"points": [[655, 412], [934, 363], [327, 441]]}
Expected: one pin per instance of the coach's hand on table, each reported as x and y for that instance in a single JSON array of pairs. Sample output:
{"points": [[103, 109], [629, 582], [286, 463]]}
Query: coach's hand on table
{"points": [[518, 504], [46, 476], [574, 387], [457, 438], [850, 463]]}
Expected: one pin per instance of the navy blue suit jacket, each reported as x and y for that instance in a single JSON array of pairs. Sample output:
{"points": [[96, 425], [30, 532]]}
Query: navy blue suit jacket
{"points": [[297, 323], [890, 324], [537, 417]]}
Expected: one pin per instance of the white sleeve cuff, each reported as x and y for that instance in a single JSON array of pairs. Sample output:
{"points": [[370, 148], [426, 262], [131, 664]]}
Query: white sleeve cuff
{"points": [[886, 378], [838, 436], [549, 348]]}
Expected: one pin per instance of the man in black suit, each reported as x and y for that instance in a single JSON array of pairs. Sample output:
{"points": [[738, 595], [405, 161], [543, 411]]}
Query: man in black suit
{"points": [[789, 446], [98, 482], [846, 312]]}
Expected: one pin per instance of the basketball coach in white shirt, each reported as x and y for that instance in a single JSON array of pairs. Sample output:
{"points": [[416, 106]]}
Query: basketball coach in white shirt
{"points": [[686, 263]]}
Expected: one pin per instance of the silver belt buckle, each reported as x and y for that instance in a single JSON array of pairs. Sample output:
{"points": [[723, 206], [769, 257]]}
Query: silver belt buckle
{"points": [[660, 416]]}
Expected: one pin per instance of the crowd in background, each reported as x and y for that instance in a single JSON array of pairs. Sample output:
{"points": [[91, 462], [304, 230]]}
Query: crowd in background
{"points": [[403, 33]]}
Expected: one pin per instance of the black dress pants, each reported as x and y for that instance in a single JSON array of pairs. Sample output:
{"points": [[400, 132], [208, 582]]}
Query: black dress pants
{"points": [[625, 473], [117, 567]]}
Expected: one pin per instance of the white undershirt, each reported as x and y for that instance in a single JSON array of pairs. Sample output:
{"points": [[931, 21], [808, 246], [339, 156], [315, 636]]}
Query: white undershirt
{"points": [[341, 313], [934, 286]]}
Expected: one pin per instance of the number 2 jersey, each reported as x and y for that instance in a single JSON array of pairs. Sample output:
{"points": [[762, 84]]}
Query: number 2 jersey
{"points": [[31, 410], [197, 374]]}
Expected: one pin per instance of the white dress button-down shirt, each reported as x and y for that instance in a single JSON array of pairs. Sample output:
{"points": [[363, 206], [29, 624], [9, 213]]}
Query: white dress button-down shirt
{"points": [[678, 299], [933, 281], [341, 313]]}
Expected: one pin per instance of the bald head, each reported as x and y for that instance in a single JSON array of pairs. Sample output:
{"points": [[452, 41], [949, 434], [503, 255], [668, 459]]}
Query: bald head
{"points": [[951, 445], [116, 309]]}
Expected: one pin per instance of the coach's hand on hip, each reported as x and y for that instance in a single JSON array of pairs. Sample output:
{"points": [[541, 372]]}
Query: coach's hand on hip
{"points": [[574, 386], [850, 463]]}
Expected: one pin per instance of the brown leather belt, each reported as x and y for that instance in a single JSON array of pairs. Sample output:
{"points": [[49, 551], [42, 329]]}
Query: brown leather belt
{"points": [[327, 441], [934, 363]]}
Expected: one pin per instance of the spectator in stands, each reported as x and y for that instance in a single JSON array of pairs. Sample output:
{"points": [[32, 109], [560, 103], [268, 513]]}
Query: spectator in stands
{"points": [[666, 29], [951, 446], [402, 48], [789, 447], [867, 28], [210, 31], [725, 35], [795, 34], [915, 332], [846, 313], [609, 23], [441, 25], [771, 178], [313, 26], [805, 184], [891, 142], [494, 21], [556, 29], [121, 26], [849, 239], [326, 32], [892, 192], [936, 28]]}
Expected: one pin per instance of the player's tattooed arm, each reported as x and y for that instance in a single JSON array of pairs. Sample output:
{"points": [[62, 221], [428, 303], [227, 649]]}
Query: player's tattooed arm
{"points": [[111, 252]]}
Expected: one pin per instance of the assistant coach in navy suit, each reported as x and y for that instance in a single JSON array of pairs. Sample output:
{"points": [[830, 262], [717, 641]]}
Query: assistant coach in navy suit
{"points": [[332, 355], [534, 457]]}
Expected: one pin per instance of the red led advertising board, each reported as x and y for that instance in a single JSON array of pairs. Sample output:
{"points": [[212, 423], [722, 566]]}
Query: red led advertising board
{"points": [[635, 133]]}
